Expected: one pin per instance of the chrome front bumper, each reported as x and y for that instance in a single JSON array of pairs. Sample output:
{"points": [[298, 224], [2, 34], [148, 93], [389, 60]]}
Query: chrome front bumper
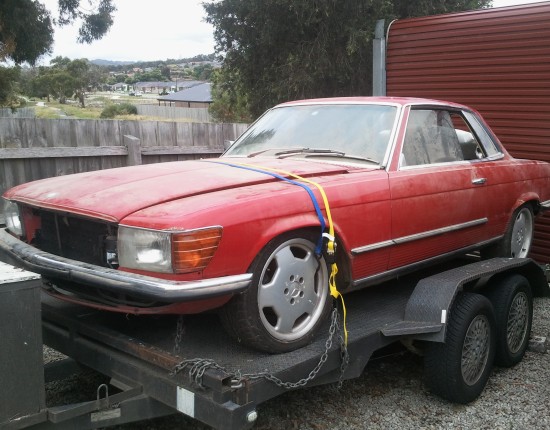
{"points": [[55, 267]]}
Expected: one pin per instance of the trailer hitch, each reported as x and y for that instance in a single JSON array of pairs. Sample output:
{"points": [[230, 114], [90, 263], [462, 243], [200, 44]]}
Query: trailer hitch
{"points": [[102, 402]]}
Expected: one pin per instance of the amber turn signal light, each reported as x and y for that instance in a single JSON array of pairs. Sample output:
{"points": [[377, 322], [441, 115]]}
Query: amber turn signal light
{"points": [[192, 250]]}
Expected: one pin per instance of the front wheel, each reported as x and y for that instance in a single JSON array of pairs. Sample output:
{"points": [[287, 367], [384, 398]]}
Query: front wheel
{"points": [[458, 369], [288, 298]]}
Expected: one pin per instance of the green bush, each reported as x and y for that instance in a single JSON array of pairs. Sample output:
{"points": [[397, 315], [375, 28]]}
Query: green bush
{"points": [[121, 109], [109, 112], [127, 109]]}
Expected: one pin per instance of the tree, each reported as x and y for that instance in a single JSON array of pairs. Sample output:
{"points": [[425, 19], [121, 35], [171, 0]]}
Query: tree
{"points": [[278, 50], [25, 30], [66, 78], [154, 75], [95, 23], [203, 72], [165, 72], [8, 87], [26, 33], [79, 70], [41, 84], [229, 101], [61, 84], [26, 26]]}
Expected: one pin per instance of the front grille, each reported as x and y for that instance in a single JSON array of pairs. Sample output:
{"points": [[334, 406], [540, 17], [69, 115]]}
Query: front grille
{"points": [[75, 238]]}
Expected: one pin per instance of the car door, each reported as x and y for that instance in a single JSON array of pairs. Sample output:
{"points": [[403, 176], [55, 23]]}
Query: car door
{"points": [[505, 180], [438, 198]]}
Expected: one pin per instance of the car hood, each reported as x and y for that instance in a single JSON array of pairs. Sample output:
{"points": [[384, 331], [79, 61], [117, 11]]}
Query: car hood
{"points": [[116, 193]]}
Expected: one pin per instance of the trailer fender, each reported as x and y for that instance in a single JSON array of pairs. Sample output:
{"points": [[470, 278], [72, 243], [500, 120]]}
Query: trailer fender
{"points": [[428, 307]]}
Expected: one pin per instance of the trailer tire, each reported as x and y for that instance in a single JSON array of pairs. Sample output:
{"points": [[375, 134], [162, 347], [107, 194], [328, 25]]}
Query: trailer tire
{"points": [[458, 369], [512, 301], [288, 299]]}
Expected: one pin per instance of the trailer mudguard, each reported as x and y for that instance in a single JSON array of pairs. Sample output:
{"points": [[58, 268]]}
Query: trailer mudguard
{"points": [[427, 310]]}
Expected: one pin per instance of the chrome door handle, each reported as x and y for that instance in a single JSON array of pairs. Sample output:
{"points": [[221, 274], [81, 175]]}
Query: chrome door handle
{"points": [[479, 181]]}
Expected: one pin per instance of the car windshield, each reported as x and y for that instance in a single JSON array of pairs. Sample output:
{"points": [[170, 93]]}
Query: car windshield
{"points": [[355, 131]]}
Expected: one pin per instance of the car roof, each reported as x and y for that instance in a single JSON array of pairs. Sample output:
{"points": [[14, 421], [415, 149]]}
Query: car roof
{"points": [[401, 101]]}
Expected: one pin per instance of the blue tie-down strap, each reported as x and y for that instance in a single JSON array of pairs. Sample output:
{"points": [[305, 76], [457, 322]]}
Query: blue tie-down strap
{"points": [[319, 247]]}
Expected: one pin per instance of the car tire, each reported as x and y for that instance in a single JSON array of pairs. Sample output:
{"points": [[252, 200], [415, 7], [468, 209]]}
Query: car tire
{"points": [[512, 301], [288, 298], [458, 369], [517, 241]]}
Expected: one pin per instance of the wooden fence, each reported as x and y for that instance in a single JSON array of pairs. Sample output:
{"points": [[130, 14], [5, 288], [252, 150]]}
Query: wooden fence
{"points": [[33, 149], [173, 112], [17, 113]]}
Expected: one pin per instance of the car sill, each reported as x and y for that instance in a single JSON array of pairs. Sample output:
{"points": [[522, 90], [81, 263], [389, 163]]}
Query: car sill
{"points": [[401, 271]]}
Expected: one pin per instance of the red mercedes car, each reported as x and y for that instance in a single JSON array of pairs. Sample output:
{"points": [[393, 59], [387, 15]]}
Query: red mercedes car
{"points": [[377, 186]]}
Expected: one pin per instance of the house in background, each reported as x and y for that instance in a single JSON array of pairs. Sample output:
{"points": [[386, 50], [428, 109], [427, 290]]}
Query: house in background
{"points": [[120, 86], [153, 87], [161, 87], [197, 96]]}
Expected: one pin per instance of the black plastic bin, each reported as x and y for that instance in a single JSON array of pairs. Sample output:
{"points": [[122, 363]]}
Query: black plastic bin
{"points": [[21, 361]]}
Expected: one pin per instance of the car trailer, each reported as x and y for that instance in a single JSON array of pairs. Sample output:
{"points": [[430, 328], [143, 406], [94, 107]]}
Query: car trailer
{"points": [[163, 365]]}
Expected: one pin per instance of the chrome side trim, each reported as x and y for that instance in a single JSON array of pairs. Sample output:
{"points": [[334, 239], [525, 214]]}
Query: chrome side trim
{"points": [[103, 278], [439, 231], [544, 206], [418, 236], [372, 247]]}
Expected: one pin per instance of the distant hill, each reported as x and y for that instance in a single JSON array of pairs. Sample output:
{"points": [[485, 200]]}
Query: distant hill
{"points": [[100, 62], [157, 63]]}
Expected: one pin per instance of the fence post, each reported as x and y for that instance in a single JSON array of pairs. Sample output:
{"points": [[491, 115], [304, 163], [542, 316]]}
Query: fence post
{"points": [[134, 150], [379, 60]]}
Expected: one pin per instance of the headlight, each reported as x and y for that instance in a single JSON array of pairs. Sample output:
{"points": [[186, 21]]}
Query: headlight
{"points": [[13, 220], [165, 251]]}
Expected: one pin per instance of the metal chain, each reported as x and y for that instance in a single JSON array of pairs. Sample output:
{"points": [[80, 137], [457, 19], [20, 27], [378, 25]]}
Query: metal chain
{"points": [[197, 366], [344, 356]]}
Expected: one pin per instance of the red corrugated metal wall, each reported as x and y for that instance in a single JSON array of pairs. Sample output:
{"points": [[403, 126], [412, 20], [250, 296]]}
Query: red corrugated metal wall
{"points": [[494, 60]]}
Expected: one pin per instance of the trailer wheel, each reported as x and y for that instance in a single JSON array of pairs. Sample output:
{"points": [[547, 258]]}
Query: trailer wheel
{"points": [[512, 301], [288, 299], [458, 369]]}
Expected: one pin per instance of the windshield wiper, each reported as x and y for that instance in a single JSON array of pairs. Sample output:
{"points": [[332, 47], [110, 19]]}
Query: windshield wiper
{"points": [[309, 151], [343, 155], [312, 152], [284, 151]]}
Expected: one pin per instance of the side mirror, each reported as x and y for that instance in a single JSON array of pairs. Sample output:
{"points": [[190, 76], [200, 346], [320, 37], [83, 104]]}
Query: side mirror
{"points": [[227, 144]]}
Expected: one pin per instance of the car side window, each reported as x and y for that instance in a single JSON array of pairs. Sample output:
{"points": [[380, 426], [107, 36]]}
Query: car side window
{"points": [[488, 144], [438, 136]]}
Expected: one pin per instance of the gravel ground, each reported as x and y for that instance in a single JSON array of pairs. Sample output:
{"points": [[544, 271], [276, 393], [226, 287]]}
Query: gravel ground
{"points": [[389, 395]]}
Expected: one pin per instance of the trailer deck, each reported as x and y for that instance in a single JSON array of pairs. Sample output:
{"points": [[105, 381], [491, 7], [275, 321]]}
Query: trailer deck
{"points": [[144, 349], [223, 382]]}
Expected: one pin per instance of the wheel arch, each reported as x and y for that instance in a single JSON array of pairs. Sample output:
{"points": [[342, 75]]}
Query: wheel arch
{"points": [[531, 199], [310, 224]]}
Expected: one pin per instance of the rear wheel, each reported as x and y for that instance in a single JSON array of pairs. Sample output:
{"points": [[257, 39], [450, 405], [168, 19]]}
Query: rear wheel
{"points": [[513, 304], [516, 243], [458, 369], [287, 300]]}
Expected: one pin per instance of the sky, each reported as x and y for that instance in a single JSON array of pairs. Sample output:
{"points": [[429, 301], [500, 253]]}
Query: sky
{"points": [[142, 30], [149, 31]]}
